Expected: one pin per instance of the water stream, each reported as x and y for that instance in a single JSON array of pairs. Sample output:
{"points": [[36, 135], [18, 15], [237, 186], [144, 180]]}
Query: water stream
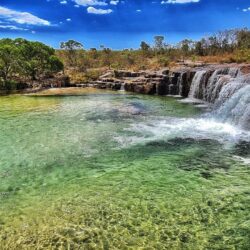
{"points": [[92, 169]]}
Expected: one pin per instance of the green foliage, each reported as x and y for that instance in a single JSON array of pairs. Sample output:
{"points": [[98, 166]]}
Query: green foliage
{"points": [[225, 46], [20, 59], [71, 47], [55, 64], [243, 38], [159, 43], [144, 46], [8, 59], [242, 55], [186, 46]]}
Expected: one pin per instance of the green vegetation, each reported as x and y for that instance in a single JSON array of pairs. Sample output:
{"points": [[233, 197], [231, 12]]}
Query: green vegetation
{"points": [[224, 47], [22, 61]]}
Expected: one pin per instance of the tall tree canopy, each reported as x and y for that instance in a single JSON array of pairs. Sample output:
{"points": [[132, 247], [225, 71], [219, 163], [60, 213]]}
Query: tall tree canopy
{"points": [[22, 58]]}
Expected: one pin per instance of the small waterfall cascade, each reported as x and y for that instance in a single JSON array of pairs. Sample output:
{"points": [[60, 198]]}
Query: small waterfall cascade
{"points": [[180, 84], [122, 87], [213, 93], [196, 89], [234, 104], [234, 72], [218, 79], [228, 90], [207, 84]]}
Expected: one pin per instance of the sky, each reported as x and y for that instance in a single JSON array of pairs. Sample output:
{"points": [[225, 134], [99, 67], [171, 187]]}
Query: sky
{"points": [[119, 24]]}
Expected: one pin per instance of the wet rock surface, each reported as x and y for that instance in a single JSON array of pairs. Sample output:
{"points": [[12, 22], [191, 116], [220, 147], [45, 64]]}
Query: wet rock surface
{"points": [[201, 82], [177, 81]]}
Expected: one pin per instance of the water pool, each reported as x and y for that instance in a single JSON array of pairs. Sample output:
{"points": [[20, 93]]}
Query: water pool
{"points": [[90, 169]]}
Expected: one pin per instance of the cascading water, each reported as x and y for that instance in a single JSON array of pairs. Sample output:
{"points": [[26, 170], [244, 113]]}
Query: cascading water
{"points": [[214, 89], [179, 84], [228, 90], [196, 86], [234, 72], [212, 85], [233, 104], [122, 87]]}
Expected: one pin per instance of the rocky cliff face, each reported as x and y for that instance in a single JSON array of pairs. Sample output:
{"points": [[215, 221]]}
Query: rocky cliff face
{"points": [[193, 82]]}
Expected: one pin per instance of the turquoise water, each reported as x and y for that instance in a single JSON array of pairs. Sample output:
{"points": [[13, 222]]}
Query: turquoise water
{"points": [[108, 170]]}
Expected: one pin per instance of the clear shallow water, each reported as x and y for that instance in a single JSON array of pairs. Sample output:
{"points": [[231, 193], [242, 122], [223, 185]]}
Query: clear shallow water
{"points": [[108, 170]]}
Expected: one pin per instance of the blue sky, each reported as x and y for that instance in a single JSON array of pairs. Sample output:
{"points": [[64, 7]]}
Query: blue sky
{"points": [[119, 23]]}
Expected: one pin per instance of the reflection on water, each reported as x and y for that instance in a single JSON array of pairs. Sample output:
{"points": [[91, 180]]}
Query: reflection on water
{"points": [[110, 170]]}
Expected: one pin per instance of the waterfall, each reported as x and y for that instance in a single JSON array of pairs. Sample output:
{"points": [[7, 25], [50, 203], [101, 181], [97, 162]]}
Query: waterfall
{"points": [[196, 88], [122, 87], [234, 72], [207, 87], [180, 84], [215, 91], [233, 102], [215, 84], [212, 85], [229, 90], [235, 108]]}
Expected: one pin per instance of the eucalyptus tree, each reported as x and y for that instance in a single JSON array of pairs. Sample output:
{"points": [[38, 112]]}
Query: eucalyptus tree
{"points": [[159, 44], [21, 59], [8, 59], [37, 59], [71, 47]]}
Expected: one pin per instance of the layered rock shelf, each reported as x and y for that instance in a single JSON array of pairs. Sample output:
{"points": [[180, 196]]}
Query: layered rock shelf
{"points": [[167, 82]]}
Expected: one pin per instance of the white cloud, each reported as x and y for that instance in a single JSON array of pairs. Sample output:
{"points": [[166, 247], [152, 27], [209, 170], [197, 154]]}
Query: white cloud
{"points": [[138, 10], [247, 9], [90, 2], [12, 27], [68, 19], [114, 2], [179, 1], [93, 10], [63, 2], [22, 17]]}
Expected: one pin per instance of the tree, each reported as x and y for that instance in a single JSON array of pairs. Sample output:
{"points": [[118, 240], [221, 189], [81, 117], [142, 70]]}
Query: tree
{"points": [[107, 56], [71, 47], [38, 59], [159, 43], [55, 64], [200, 47], [243, 39], [20, 58], [8, 59], [185, 46], [144, 46]]}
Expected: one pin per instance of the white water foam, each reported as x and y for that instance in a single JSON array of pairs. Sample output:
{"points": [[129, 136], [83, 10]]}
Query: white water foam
{"points": [[185, 128], [236, 108], [243, 160]]}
